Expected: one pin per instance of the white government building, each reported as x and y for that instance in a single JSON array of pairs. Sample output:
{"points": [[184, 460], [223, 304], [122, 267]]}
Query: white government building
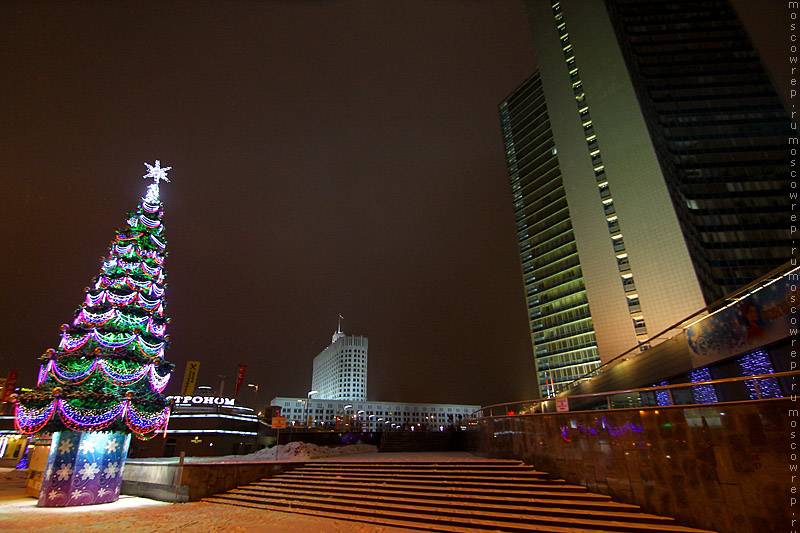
{"points": [[338, 399]]}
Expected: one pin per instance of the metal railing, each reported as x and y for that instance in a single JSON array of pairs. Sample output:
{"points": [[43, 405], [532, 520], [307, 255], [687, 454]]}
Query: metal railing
{"points": [[678, 327], [764, 386]]}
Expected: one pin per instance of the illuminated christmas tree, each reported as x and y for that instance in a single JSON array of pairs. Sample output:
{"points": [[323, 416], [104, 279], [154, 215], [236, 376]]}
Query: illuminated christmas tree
{"points": [[104, 381]]}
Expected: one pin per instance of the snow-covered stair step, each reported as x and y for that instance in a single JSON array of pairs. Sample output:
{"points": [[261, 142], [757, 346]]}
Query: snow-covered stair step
{"points": [[575, 501], [519, 477], [438, 467], [518, 472], [497, 510], [412, 460], [458, 498], [482, 483], [478, 519], [544, 492], [442, 525]]}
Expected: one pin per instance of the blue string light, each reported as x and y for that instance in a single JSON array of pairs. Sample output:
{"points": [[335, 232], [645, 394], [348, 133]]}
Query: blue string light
{"points": [[755, 364], [662, 396], [703, 393]]}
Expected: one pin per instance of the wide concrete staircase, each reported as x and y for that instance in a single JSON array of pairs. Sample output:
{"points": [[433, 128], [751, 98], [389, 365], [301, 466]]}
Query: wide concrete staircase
{"points": [[487, 495]]}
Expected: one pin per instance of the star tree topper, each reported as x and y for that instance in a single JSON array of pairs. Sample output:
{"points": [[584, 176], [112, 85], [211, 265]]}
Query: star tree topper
{"points": [[158, 174]]}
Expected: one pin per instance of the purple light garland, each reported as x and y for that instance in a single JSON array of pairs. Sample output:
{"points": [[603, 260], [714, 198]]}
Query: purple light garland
{"points": [[148, 222], [32, 420], [159, 383], [85, 420], [113, 341], [118, 378]]}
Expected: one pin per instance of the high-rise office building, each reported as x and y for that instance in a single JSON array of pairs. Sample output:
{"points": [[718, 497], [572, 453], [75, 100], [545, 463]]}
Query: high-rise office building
{"points": [[669, 143], [558, 308], [340, 370]]}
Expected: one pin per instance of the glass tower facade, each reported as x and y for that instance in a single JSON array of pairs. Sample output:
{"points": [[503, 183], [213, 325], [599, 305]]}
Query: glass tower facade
{"points": [[719, 129], [648, 160], [558, 308]]}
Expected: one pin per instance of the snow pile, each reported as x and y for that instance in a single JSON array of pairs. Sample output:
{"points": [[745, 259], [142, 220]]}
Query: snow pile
{"points": [[294, 451], [304, 451]]}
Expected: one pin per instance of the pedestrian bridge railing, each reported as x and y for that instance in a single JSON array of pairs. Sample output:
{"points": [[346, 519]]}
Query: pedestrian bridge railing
{"points": [[736, 389]]}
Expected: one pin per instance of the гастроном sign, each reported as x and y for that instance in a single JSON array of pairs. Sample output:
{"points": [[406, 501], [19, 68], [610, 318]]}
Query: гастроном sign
{"points": [[201, 400]]}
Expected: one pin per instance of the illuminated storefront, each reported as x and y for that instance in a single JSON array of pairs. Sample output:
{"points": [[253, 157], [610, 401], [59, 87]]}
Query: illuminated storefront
{"points": [[203, 426]]}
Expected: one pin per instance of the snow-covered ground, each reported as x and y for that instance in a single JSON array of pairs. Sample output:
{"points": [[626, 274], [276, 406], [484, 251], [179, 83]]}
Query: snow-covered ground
{"points": [[301, 451], [294, 451], [132, 514]]}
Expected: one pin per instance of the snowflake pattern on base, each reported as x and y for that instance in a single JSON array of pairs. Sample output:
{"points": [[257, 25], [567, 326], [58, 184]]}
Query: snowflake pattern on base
{"points": [[84, 468]]}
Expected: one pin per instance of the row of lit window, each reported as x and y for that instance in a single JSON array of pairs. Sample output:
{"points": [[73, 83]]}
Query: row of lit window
{"points": [[606, 197]]}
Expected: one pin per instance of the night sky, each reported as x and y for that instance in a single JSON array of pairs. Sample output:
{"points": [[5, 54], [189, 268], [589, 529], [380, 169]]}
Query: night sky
{"points": [[328, 158]]}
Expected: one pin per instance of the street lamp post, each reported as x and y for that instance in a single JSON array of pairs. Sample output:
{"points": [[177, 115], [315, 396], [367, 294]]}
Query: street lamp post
{"points": [[308, 399], [255, 398]]}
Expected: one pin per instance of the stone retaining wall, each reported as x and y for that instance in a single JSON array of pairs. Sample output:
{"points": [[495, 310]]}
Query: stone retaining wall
{"points": [[193, 481], [723, 467]]}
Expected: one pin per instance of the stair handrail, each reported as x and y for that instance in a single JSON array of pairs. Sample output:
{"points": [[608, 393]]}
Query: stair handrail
{"points": [[512, 408]]}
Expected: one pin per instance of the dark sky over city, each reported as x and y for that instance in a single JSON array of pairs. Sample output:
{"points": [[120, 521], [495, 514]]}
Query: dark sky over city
{"points": [[328, 158]]}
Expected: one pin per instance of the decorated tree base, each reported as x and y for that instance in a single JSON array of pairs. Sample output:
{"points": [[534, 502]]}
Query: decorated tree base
{"points": [[84, 468]]}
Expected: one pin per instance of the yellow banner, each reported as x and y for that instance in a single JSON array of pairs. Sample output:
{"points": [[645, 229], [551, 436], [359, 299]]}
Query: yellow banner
{"points": [[190, 377]]}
